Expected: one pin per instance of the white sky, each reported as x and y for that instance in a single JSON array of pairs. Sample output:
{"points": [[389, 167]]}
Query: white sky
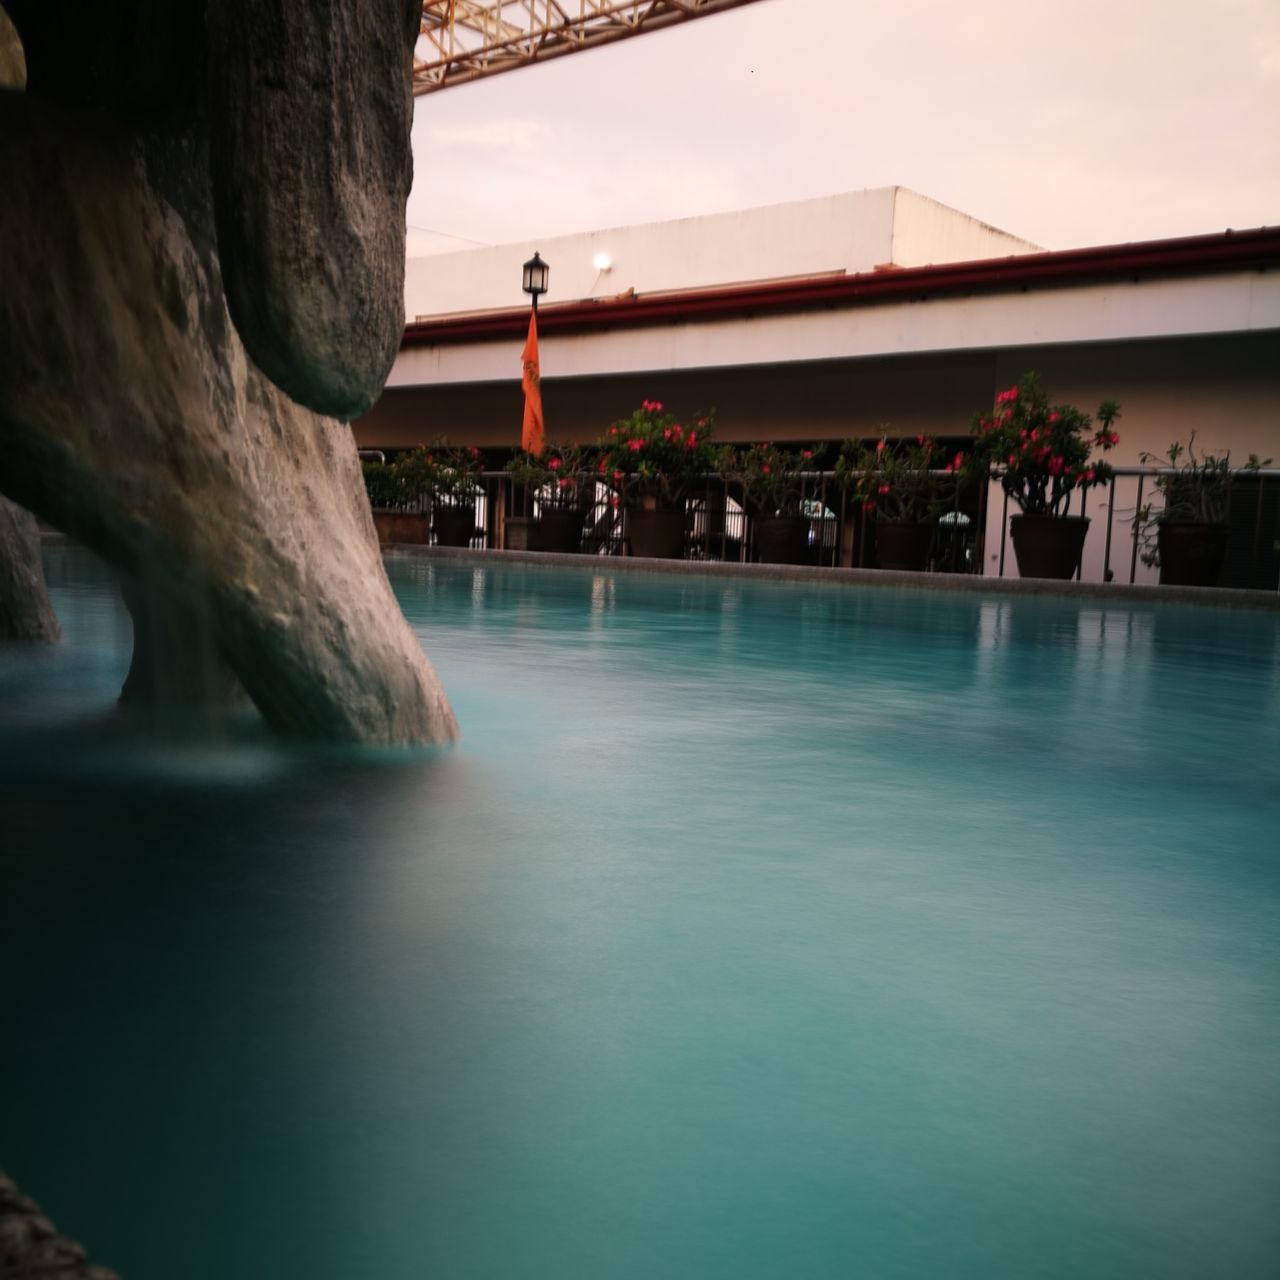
{"points": [[1095, 122]]}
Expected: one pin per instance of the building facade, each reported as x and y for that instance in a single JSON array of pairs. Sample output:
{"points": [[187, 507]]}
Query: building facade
{"points": [[830, 319]]}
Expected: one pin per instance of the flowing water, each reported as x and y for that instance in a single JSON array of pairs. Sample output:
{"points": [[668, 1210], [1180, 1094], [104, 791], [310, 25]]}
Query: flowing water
{"points": [[752, 930]]}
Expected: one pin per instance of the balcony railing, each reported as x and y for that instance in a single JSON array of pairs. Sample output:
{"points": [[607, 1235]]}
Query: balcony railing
{"points": [[971, 536]]}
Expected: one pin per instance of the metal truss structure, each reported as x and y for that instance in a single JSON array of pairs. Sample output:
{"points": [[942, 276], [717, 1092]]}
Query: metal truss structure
{"points": [[464, 40]]}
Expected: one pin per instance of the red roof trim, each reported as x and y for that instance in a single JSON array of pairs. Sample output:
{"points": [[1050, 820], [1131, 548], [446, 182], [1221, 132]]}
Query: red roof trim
{"points": [[1192, 255]]}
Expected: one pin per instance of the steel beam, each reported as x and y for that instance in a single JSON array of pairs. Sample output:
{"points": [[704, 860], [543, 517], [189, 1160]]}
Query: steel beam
{"points": [[463, 40]]}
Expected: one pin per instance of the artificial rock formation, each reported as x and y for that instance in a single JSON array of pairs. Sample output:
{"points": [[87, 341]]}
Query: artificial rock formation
{"points": [[25, 611], [32, 1249], [136, 415]]}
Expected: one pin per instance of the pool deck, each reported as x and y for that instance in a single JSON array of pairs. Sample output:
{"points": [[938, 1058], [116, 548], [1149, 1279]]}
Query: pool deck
{"points": [[973, 584]]}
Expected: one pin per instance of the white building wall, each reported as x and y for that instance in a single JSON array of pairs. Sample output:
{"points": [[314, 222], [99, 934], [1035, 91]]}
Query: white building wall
{"points": [[849, 233], [926, 232], [1229, 303]]}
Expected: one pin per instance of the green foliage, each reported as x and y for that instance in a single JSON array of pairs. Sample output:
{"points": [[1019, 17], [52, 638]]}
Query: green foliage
{"points": [[449, 475], [1041, 452], [1193, 488], [652, 456], [386, 489], [772, 480], [896, 479], [563, 477]]}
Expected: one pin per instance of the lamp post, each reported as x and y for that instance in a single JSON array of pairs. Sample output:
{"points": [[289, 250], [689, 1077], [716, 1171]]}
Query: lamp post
{"points": [[534, 280]]}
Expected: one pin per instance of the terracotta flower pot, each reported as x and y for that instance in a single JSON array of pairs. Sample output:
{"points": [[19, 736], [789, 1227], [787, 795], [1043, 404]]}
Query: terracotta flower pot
{"points": [[521, 533], [781, 539], [1048, 546], [454, 526], [903, 545], [402, 526], [658, 534], [562, 529], [1191, 555]]}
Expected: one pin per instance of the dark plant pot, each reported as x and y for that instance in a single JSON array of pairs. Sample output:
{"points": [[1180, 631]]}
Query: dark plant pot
{"points": [[781, 539], [454, 526], [402, 526], [1048, 546], [562, 529], [1191, 555], [659, 535], [903, 545], [522, 533]]}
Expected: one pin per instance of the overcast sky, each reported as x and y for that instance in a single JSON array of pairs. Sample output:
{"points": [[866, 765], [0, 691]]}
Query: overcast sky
{"points": [[1096, 122]]}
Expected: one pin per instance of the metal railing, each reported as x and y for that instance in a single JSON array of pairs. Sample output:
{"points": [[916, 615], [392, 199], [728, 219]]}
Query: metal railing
{"points": [[1114, 547], [971, 536]]}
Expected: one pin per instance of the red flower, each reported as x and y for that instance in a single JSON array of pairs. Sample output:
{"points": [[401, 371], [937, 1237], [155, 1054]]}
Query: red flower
{"points": [[764, 470], [884, 488], [869, 505], [553, 464], [879, 446], [618, 477], [635, 445]]}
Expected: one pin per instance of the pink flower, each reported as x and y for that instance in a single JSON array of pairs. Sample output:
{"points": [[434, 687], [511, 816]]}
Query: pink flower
{"points": [[869, 505], [635, 445], [879, 446], [1054, 416], [884, 488], [1090, 474], [764, 470], [601, 467], [553, 464], [666, 435], [1055, 466], [806, 454], [617, 477]]}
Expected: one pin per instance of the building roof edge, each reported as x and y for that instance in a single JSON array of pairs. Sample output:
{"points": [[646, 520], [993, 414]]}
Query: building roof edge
{"points": [[1253, 249]]}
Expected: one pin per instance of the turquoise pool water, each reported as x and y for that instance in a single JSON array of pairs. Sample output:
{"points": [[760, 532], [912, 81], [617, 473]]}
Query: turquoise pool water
{"points": [[751, 931]]}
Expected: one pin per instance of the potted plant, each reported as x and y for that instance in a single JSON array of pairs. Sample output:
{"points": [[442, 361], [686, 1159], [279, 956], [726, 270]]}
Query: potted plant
{"points": [[558, 490], [397, 510], [450, 475], [653, 462], [1187, 536], [898, 485], [773, 486], [1042, 453]]}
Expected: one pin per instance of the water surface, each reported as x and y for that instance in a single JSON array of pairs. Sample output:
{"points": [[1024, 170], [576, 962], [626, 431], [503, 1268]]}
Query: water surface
{"points": [[752, 930]]}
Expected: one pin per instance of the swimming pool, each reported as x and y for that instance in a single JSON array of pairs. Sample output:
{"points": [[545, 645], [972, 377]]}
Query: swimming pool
{"points": [[751, 930]]}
